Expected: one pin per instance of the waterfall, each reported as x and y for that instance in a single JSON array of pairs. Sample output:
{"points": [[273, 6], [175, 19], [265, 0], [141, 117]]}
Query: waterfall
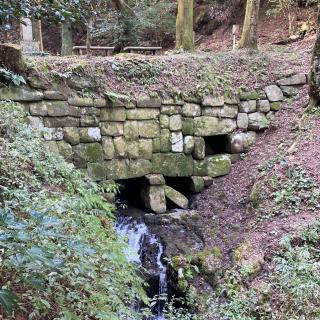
{"points": [[139, 238]]}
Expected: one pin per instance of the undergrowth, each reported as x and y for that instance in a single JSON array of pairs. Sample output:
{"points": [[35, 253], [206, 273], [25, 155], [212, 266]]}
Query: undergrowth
{"points": [[291, 290], [59, 255]]}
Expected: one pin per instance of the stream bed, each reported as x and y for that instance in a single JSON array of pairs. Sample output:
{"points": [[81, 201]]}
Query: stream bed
{"points": [[145, 248]]}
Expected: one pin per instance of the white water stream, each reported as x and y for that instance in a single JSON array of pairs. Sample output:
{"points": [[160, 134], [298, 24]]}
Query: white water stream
{"points": [[139, 235]]}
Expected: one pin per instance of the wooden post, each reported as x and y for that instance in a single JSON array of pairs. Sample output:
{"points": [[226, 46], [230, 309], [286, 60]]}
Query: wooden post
{"points": [[235, 33]]}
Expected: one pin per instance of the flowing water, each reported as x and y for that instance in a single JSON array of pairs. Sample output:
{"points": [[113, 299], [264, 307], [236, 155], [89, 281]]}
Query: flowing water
{"points": [[140, 238]]}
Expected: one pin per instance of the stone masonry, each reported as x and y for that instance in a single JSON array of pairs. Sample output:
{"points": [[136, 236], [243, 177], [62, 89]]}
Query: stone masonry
{"points": [[118, 138]]}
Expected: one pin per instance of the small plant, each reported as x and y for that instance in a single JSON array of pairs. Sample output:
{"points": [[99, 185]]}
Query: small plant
{"points": [[8, 77]]}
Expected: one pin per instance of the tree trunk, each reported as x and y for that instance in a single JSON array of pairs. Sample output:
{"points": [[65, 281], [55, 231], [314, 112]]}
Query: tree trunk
{"points": [[184, 26], [249, 38], [66, 38], [88, 40], [314, 91]]}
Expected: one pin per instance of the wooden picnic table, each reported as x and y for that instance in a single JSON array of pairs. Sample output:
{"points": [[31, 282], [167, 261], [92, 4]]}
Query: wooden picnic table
{"points": [[81, 49], [142, 49]]}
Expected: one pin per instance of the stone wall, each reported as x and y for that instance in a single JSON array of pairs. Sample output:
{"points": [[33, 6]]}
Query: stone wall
{"points": [[114, 137]]}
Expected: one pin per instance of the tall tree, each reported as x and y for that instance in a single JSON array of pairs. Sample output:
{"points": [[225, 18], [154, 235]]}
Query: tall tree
{"points": [[184, 26], [66, 38], [249, 37], [315, 68]]}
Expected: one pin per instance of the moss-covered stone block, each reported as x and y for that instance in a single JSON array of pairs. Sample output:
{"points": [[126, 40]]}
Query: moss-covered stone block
{"points": [[165, 140], [275, 106], [199, 151], [65, 150], [113, 114], [93, 152], [187, 126], [172, 165], [89, 134], [108, 148], [176, 197], [133, 149], [97, 171], [120, 147], [145, 148], [156, 145], [114, 129], [131, 130], [218, 165], [210, 126], [154, 198], [143, 114], [149, 129]]}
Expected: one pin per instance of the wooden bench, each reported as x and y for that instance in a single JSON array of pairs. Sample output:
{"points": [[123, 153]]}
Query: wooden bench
{"points": [[81, 49], [153, 50]]}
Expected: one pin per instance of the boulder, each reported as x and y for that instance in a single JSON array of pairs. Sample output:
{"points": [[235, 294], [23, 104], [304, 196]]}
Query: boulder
{"points": [[187, 126], [164, 121], [263, 106], [156, 179], [120, 147], [165, 140], [171, 110], [114, 129], [191, 110], [296, 79], [90, 134], [57, 122], [149, 129], [242, 121], [133, 149], [213, 101], [176, 197], [113, 114], [97, 171], [142, 114], [248, 106], [229, 111], [240, 142], [22, 93], [131, 130], [274, 93], [210, 126], [258, 121], [176, 142], [196, 184], [108, 148], [52, 134], [188, 144], [172, 164], [71, 135], [154, 198], [218, 165], [175, 123], [145, 149], [199, 151]]}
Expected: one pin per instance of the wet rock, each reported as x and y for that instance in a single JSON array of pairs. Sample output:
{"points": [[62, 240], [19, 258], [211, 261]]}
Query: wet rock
{"points": [[274, 93], [176, 197]]}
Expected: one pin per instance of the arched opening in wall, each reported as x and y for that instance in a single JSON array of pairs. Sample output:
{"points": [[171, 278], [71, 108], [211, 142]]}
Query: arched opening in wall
{"points": [[216, 144], [131, 190]]}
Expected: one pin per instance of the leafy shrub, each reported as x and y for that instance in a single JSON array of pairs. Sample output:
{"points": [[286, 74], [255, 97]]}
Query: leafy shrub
{"points": [[60, 255], [8, 77]]}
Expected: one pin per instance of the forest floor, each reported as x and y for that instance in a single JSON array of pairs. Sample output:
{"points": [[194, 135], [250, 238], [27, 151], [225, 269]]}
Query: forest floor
{"points": [[270, 192]]}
